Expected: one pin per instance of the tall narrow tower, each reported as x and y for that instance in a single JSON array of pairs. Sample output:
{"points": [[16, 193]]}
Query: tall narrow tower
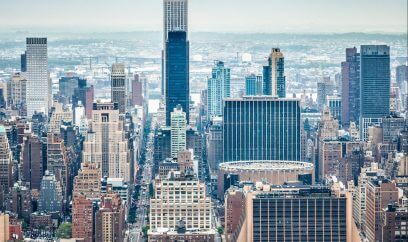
{"points": [[178, 131], [118, 86], [274, 82], [38, 82], [175, 18]]}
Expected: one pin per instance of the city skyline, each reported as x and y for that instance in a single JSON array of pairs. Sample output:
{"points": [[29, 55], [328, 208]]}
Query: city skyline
{"points": [[293, 16]]}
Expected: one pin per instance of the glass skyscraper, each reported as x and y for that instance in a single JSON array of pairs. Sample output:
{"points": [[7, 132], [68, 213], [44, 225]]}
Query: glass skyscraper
{"points": [[375, 85], [218, 88], [177, 73], [350, 73], [253, 85], [274, 80], [261, 128]]}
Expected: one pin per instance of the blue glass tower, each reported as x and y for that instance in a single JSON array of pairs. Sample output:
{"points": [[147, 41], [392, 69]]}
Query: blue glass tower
{"points": [[177, 73], [218, 89], [253, 85], [375, 85]]}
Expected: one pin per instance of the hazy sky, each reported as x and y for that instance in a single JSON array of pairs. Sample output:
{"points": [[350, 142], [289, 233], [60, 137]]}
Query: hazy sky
{"points": [[208, 15]]}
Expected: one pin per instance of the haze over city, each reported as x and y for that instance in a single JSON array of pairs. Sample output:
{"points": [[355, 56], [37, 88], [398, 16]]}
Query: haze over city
{"points": [[272, 16], [203, 120]]}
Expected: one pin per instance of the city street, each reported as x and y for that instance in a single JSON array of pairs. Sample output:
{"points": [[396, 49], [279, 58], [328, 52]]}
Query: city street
{"points": [[136, 234]]}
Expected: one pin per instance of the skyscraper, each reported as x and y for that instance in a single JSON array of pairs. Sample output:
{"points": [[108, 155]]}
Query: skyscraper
{"points": [[274, 75], [6, 158], [177, 73], [50, 195], [350, 97], [118, 86], [375, 85], [178, 131], [32, 159], [253, 85], [38, 82], [261, 128], [110, 219], [175, 18], [219, 87], [105, 142], [137, 91], [402, 74]]}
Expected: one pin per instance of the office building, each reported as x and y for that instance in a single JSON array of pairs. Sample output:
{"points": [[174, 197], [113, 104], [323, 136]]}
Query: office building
{"points": [[219, 88], [261, 128], [137, 91], [20, 202], [110, 219], [350, 95], [180, 198], [57, 162], [118, 86], [253, 85], [214, 144], [38, 81], [4, 227], [16, 92], [68, 84], [269, 171], [274, 80], [82, 218], [401, 74], [50, 200], [23, 62], [33, 157], [288, 213], [375, 84], [178, 131], [334, 104], [88, 181], [84, 96], [379, 193], [58, 116], [325, 88], [105, 142], [175, 18], [6, 162], [177, 73], [394, 223], [328, 126]]}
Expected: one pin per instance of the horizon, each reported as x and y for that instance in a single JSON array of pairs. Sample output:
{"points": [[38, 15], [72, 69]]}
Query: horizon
{"points": [[230, 16]]}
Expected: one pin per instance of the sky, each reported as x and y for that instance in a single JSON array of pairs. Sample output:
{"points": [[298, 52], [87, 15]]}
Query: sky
{"points": [[271, 16]]}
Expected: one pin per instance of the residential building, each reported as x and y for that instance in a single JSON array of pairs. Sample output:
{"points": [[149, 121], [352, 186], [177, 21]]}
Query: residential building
{"points": [[178, 131], [274, 80]]}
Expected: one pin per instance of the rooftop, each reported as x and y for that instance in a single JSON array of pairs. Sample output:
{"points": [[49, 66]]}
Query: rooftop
{"points": [[265, 165]]}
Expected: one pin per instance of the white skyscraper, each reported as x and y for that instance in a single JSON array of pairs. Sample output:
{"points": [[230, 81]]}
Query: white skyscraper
{"points": [[175, 17], [38, 81], [178, 131]]}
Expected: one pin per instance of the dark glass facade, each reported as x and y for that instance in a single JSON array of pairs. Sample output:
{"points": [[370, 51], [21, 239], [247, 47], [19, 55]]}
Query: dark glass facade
{"points": [[350, 72], [177, 73], [261, 128], [375, 81], [311, 216]]}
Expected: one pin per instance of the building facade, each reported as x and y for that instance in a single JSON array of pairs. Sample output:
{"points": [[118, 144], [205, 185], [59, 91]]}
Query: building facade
{"points": [[350, 96], [219, 87], [375, 84], [253, 85], [38, 81], [177, 73], [274, 80], [261, 128], [118, 86]]}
